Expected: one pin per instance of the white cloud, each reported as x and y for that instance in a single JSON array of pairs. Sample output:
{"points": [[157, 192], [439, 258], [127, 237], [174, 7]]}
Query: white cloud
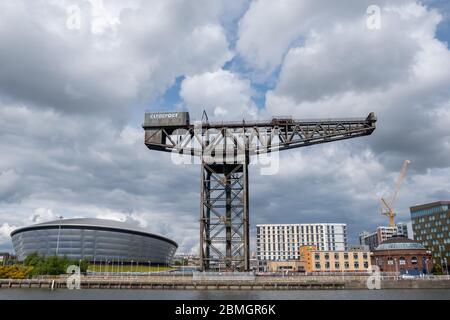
{"points": [[223, 94], [269, 28], [5, 231], [109, 71], [77, 166], [43, 215], [400, 72]]}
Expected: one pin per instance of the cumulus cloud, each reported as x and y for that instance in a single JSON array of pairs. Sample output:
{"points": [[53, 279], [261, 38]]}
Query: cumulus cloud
{"points": [[43, 215], [5, 231], [400, 71], [223, 94], [152, 43], [75, 166], [269, 28]]}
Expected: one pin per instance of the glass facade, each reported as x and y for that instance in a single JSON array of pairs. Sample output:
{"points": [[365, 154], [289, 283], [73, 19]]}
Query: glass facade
{"points": [[94, 244], [429, 211], [431, 227]]}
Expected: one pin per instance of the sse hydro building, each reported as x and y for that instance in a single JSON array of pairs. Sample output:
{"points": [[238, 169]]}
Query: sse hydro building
{"points": [[94, 240]]}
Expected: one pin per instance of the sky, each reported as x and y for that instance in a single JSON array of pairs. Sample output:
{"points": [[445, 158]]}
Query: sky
{"points": [[76, 78]]}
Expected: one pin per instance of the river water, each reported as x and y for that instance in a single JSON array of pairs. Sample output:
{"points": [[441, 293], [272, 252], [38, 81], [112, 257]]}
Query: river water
{"points": [[111, 294]]}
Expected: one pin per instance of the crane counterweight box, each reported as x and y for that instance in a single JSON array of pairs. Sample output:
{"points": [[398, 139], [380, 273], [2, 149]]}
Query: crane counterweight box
{"points": [[166, 119]]}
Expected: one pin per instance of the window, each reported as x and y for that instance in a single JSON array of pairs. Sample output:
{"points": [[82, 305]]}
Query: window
{"points": [[365, 256], [402, 261], [327, 265], [336, 256], [327, 256], [317, 256], [390, 261], [336, 265], [317, 265], [346, 256], [414, 260], [356, 265], [366, 264], [347, 265], [355, 255]]}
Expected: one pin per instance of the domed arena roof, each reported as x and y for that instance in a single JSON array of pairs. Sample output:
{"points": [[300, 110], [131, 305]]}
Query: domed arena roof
{"points": [[400, 243], [101, 224]]}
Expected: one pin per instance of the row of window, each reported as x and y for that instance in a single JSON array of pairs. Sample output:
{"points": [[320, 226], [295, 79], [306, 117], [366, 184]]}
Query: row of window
{"points": [[438, 223], [336, 256], [280, 258], [430, 211], [300, 236], [338, 266], [401, 260], [297, 243]]}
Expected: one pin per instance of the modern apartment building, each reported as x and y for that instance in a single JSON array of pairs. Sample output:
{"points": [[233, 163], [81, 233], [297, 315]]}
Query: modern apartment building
{"points": [[382, 233], [334, 261], [431, 224], [280, 242], [404, 229]]}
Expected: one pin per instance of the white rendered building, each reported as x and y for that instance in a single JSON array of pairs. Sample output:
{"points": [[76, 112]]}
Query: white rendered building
{"points": [[282, 241]]}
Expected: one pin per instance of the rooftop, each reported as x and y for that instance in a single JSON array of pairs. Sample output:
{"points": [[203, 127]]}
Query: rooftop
{"points": [[92, 222], [400, 243], [430, 205]]}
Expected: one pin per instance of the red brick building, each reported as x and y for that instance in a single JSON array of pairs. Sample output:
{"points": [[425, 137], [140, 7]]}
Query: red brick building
{"points": [[402, 255]]}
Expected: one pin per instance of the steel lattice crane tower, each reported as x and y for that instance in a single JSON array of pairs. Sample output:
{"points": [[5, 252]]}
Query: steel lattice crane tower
{"points": [[224, 150]]}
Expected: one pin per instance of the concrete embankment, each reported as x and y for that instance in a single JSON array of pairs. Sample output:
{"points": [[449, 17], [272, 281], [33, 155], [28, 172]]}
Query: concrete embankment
{"points": [[258, 283]]}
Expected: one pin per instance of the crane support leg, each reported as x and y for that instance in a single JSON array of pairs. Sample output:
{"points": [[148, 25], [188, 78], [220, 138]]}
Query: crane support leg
{"points": [[224, 217]]}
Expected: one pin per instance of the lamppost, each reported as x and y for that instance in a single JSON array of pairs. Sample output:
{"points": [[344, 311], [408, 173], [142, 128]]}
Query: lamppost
{"points": [[396, 267], [426, 265], [59, 233], [446, 265], [443, 260]]}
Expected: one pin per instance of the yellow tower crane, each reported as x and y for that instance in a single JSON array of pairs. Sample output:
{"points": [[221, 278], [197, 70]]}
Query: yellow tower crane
{"points": [[387, 206]]}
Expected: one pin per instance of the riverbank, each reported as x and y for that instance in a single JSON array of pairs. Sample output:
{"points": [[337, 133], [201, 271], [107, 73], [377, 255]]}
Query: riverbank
{"points": [[179, 282], [229, 295]]}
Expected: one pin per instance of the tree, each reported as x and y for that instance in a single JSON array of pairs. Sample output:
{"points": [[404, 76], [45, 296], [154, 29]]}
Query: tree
{"points": [[53, 265], [437, 269], [33, 260]]}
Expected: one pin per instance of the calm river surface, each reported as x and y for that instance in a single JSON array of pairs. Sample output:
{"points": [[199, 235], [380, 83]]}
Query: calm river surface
{"points": [[110, 294]]}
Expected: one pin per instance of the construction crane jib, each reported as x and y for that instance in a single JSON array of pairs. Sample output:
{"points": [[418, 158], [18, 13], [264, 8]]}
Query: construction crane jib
{"points": [[387, 206]]}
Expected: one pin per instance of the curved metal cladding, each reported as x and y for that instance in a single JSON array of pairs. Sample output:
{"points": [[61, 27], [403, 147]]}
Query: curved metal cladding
{"points": [[93, 240]]}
